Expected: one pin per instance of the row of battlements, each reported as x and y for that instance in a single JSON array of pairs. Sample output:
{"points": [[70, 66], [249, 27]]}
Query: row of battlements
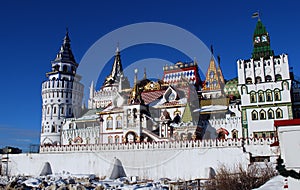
{"points": [[105, 93], [262, 62], [207, 143]]}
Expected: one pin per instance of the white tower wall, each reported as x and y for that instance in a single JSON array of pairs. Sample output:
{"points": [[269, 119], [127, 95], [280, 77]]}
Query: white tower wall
{"points": [[62, 95]]}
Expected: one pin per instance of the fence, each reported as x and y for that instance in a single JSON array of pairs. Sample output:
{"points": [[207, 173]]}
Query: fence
{"points": [[209, 143]]}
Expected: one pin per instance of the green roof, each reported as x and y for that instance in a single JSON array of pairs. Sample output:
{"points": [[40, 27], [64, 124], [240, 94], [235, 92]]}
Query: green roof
{"points": [[231, 88], [187, 114], [261, 42], [260, 28]]}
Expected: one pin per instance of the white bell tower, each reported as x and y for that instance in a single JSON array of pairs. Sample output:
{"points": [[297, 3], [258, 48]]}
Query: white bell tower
{"points": [[61, 94]]}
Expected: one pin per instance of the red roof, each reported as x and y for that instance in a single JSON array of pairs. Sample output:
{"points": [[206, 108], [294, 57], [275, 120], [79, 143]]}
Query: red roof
{"points": [[150, 96], [286, 122]]}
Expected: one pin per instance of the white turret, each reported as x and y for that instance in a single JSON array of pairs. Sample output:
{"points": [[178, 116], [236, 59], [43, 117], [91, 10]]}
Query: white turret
{"points": [[91, 97], [61, 94]]}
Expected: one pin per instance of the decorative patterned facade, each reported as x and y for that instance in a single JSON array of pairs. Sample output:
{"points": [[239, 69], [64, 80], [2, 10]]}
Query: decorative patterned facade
{"points": [[220, 115]]}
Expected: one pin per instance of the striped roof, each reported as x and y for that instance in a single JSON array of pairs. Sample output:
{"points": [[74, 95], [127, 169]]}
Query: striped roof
{"points": [[151, 96]]}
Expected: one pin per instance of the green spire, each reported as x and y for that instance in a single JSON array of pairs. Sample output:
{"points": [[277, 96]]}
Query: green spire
{"points": [[260, 28], [187, 114], [261, 42]]}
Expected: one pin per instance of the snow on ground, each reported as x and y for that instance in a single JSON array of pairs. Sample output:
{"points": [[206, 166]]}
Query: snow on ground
{"points": [[275, 183], [71, 181]]}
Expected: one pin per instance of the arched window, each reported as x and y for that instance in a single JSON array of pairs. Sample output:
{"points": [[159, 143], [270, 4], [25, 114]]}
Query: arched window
{"points": [[56, 68], [53, 129], [211, 74], [261, 97], [277, 95], [119, 122], [109, 123], [262, 114], [248, 80], [54, 110], [48, 110], [110, 140], [234, 134], [279, 113], [254, 115], [214, 83], [268, 78], [269, 95], [252, 97], [87, 140], [285, 85], [244, 89], [257, 79], [65, 68], [270, 114], [207, 84], [117, 139], [62, 110], [278, 77]]}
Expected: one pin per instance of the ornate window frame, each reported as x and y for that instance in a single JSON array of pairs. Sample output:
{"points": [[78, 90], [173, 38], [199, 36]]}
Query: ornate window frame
{"points": [[270, 114], [254, 115], [262, 115], [109, 123]]}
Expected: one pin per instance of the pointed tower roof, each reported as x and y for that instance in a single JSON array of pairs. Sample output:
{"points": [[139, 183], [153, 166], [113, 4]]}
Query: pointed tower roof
{"points": [[116, 71], [65, 53], [214, 78], [187, 114], [261, 42]]}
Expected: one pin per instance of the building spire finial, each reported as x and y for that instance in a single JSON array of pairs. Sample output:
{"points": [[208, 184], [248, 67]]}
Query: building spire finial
{"points": [[65, 53], [118, 48], [67, 38], [145, 74], [211, 49], [135, 76]]}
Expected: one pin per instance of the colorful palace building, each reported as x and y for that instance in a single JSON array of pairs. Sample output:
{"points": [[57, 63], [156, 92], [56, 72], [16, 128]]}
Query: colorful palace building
{"points": [[180, 106]]}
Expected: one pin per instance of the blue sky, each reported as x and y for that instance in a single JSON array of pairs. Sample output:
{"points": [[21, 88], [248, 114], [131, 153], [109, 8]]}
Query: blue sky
{"points": [[32, 31]]}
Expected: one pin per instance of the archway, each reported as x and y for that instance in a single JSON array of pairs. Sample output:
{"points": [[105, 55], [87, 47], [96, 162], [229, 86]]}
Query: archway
{"points": [[131, 137], [222, 133]]}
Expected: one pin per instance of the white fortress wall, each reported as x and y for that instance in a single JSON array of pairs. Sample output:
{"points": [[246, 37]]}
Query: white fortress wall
{"points": [[183, 159], [174, 164]]}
